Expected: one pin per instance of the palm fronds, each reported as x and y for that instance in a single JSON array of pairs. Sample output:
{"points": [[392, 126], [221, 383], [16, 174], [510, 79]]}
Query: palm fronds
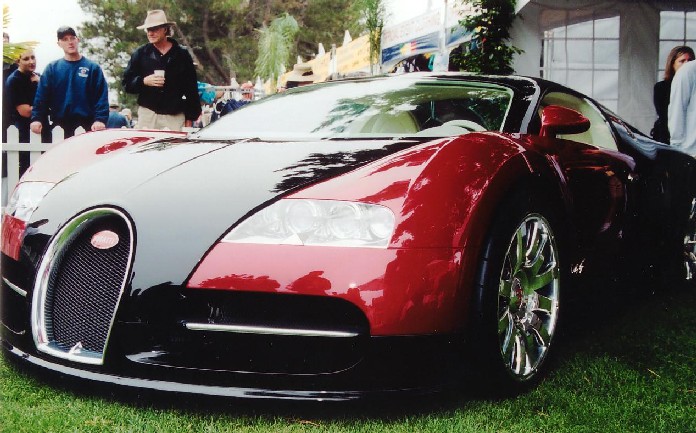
{"points": [[275, 47]]}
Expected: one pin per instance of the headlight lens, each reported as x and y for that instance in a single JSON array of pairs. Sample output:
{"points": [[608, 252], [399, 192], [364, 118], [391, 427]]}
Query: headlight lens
{"points": [[26, 198], [317, 222]]}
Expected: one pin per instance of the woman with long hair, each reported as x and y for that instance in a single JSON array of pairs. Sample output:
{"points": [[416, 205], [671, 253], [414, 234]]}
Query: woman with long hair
{"points": [[676, 58]]}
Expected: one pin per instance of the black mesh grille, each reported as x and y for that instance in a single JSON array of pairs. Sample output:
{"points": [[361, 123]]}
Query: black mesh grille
{"points": [[85, 284]]}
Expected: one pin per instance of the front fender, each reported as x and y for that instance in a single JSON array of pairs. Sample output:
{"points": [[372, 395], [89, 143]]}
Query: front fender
{"points": [[443, 194]]}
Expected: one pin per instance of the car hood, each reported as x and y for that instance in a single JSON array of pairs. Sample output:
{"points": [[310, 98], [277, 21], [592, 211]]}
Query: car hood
{"points": [[183, 195]]}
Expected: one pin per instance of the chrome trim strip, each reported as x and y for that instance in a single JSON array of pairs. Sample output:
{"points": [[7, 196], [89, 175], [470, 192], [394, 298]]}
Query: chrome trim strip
{"points": [[38, 305], [81, 356], [4, 325], [15, 287], [267, 330]]}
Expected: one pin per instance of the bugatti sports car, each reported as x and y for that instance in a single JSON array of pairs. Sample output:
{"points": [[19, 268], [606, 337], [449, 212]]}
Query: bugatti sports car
{"points": [[337, 241]]}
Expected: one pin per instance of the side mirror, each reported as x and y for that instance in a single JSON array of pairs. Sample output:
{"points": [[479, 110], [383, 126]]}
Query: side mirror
{"points": [[561, 120]]}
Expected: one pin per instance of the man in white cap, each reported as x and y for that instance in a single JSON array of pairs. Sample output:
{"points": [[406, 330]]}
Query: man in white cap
{"points": [[163, 75]]}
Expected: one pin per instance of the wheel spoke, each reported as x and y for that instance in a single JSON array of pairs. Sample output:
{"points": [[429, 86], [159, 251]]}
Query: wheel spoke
{"points": [[505, 329], [510, 352], [519, 359], [544, 305], [541, 335], [536, 265], [536, 282], [505, 289], [531, 350], [519, 250], [508, 348], [535, 244]]}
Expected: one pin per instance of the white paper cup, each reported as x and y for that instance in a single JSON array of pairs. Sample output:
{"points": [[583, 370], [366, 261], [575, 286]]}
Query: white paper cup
{"points": [[159, 72]]}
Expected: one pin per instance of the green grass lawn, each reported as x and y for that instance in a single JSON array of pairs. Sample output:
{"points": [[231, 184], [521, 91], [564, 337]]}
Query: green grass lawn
{"points": [[631, 369]]}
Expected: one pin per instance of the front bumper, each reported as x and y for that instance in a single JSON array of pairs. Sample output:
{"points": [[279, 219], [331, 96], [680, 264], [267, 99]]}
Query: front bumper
{"points": [[163, 353], [372, 378]]}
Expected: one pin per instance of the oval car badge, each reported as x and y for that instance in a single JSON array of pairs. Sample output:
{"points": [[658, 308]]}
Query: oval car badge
{"points": [[104, 240]]}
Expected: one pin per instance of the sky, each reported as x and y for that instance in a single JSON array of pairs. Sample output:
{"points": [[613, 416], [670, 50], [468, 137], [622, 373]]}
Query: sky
{"points": [[401, 10], [38, 20]]}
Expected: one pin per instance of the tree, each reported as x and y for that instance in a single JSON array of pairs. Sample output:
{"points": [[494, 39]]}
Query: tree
{"points": [[488, 51], [275, 47], [326, 21], [372, 12], [222, 35]]}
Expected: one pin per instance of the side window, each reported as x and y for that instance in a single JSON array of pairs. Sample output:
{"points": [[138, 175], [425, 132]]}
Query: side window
{"points": [[599, 133]]}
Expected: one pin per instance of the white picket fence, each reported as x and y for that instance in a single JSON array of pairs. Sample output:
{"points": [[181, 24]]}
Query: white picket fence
{"points": [[12, 149]]}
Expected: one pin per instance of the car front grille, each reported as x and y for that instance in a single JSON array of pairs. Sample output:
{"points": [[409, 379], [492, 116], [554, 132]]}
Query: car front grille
{"points": [[80, 283]]}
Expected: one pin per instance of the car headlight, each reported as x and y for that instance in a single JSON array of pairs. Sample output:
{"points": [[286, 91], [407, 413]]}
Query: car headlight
{"points": [[317, 222], [26, 198]]}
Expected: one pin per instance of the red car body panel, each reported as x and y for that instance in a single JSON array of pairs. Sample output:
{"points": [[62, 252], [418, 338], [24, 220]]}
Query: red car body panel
{"points": [[421, 284], [395, 292], [12, 235]]}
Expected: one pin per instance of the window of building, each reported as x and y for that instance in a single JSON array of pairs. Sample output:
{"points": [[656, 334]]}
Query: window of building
{"points": [[676, 28], [583, 53]]}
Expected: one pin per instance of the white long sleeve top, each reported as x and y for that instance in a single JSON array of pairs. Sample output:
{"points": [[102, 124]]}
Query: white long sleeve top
{"points": [[681, 115]]}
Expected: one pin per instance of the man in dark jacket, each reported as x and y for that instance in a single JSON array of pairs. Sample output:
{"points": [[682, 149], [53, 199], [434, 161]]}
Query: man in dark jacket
{"points": [[19, 93], [72, 91], [20, 90], [163, 75]]}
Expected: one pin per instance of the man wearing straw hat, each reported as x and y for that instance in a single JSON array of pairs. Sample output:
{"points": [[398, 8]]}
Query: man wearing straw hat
{"points": [[163, 75]]}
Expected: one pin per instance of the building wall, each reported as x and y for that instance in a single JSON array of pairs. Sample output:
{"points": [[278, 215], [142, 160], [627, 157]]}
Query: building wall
{"points": [[526, 34], [638, 45], [639, 36]]}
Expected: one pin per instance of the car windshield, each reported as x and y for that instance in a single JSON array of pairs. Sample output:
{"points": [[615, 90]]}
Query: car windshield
{"points": [[369, 109]]}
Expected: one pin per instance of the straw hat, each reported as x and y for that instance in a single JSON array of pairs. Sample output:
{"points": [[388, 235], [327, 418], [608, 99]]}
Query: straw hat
{"points": [[155, 18], [302, 73]]}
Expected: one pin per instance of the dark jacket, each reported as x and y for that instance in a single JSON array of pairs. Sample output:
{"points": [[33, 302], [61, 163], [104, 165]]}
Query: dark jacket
{"points": [[660, 131], [180, 80], [71, 91], [19, 90]]}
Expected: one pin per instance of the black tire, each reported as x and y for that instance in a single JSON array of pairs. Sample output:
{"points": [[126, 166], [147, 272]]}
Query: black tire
{"points": [[516, 299]]}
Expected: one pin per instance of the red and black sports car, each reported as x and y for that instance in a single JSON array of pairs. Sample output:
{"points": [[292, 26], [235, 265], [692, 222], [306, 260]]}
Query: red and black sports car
{"points": [[338, 240]]}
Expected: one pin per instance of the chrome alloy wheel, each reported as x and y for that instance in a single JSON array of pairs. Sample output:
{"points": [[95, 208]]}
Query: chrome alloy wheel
{"points": [[528, 297], [690, 244]]}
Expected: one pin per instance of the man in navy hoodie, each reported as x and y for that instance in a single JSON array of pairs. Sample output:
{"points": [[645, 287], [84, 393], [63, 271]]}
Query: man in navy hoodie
{"points": [[72, 91]]}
